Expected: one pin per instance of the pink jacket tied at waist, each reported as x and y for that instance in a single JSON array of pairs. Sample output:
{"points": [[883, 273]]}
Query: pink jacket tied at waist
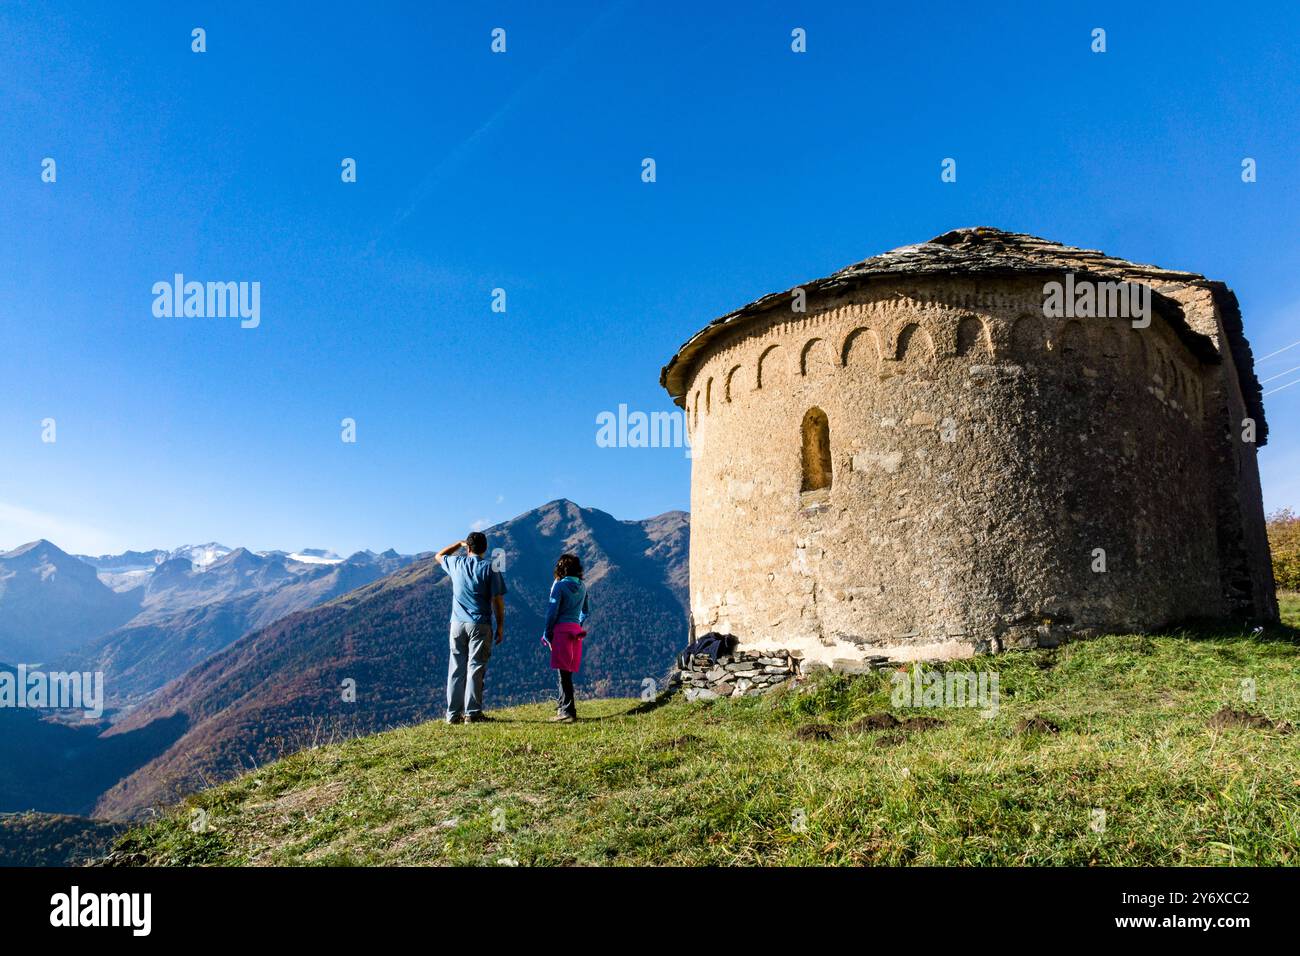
{"points": [[566, 647]]}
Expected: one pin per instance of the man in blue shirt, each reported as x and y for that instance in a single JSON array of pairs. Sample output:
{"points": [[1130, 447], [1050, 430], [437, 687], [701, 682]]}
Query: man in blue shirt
{"points": [[477, 596]]}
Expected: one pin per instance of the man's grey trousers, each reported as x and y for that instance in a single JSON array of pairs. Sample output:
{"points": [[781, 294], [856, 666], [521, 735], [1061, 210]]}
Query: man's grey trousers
{"points": [[471, 646]]}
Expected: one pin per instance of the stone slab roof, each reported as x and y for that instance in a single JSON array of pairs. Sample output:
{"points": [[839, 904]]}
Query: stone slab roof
{"points": [[985, 251]]}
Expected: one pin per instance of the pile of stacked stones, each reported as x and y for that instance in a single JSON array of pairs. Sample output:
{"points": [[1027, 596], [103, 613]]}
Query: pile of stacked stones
{"points": [[744, 673]]}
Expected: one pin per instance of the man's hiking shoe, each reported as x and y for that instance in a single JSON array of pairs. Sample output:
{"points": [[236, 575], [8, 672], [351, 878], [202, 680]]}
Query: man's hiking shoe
{"points": [[454, 720], [564, 719], [477, 718]]}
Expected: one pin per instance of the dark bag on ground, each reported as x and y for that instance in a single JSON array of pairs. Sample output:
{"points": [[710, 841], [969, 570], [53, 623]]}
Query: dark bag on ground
{"points": [[713, 644]]}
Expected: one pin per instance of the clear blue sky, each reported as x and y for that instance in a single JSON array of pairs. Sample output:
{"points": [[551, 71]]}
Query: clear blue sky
{"points": [[522, 171]]}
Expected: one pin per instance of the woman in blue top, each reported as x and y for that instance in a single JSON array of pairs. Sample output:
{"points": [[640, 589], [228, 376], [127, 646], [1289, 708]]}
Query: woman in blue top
{"points": [[565, 615]]}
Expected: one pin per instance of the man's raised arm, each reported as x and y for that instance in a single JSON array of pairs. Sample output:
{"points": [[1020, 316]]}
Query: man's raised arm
{"points": [[450, 549]]}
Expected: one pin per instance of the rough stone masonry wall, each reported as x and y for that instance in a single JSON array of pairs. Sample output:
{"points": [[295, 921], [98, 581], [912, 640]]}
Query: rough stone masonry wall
{"points": [[744, 673], [980, 454], [750, 673], [1245, 569]]}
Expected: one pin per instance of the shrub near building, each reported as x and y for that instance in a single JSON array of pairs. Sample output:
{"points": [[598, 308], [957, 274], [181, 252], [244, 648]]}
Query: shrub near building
{"points": [[1284, 542]]}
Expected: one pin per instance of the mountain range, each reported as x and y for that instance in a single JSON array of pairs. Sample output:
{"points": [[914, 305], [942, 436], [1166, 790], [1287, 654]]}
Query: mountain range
{"points": [[188, 613], [145, 617], [211, 674], [51, 602]]}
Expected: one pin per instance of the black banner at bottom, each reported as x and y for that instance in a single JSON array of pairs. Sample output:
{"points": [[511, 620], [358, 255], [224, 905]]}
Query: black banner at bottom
{"points": [[335, 905]]}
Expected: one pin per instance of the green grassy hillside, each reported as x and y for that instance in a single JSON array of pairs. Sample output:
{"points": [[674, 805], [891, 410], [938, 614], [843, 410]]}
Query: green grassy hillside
{"points": [[809, 775]]}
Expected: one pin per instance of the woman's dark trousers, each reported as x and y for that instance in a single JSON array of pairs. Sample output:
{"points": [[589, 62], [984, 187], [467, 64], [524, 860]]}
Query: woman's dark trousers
{"points": [[566, 704]]}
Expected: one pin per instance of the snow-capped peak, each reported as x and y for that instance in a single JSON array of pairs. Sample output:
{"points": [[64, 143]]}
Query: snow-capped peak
{"points": [[201, 555], [315, 556]]}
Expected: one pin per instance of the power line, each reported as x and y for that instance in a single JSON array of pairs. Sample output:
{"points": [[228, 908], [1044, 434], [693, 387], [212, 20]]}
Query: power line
{"points": [[1279, 351], [1280, 374], [1280, 387]]}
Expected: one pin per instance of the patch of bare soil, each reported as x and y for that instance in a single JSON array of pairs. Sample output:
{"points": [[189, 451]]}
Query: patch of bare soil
{"points": [[1244, 720], [919, 723], [898, 730], [815, 732], [1036, 725], [903, 728], [874, 722]]}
